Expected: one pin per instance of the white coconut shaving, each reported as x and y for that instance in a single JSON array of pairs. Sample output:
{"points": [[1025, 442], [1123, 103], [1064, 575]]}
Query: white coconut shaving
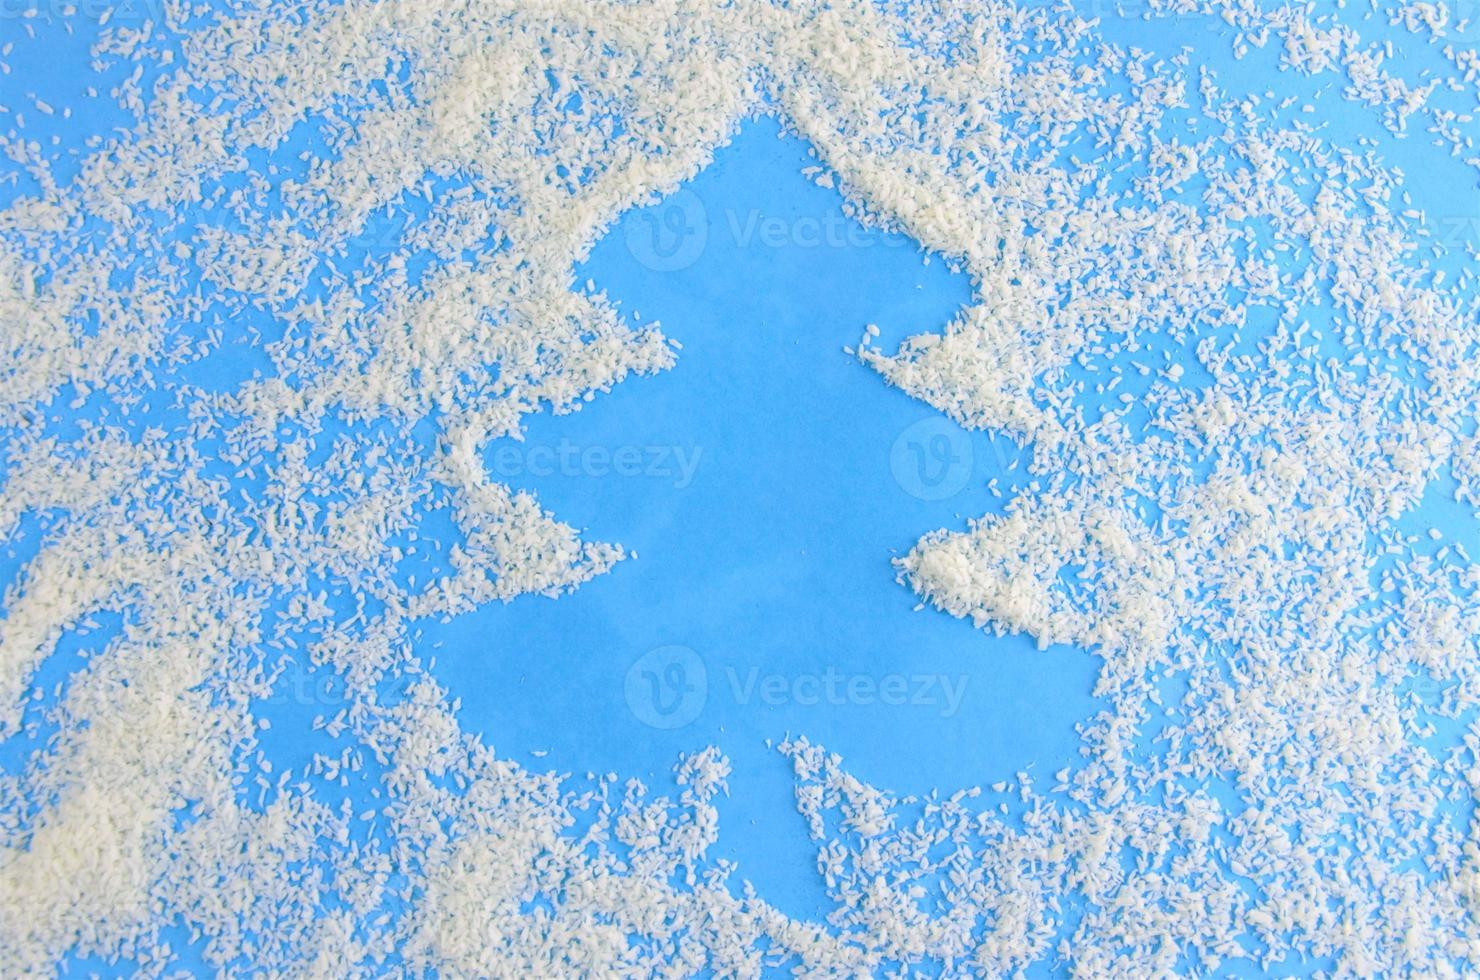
{"points": [[1236, 531]]}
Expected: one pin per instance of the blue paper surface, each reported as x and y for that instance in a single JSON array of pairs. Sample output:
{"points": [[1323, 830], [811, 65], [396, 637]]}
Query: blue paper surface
{"points": [[765, 484]]}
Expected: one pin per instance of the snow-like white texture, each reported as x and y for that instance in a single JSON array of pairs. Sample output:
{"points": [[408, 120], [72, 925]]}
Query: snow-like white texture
{"points": [[401, 294]]}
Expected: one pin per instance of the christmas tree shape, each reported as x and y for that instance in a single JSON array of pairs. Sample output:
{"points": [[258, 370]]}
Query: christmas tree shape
{"points": [[762, 487]]}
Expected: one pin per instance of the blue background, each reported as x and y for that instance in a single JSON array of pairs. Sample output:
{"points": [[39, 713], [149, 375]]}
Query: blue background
{"points": [[776, 555]]}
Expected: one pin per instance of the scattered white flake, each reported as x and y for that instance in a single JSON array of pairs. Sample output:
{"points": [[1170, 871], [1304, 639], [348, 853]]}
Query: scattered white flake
{"points": [[1289, 807]]}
